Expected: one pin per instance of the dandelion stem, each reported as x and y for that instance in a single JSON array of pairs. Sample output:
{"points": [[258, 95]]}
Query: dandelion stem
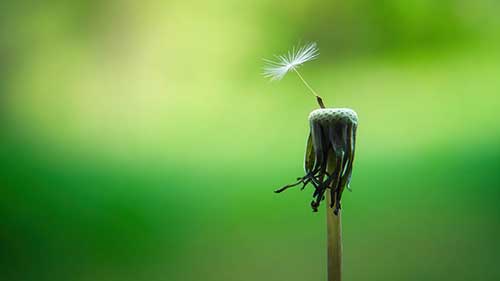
{"points": [[318, 98], [334, 235]]}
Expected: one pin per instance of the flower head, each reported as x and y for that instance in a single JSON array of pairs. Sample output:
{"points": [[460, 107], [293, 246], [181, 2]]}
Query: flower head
{"points": [[329, 154], [277, 69]]}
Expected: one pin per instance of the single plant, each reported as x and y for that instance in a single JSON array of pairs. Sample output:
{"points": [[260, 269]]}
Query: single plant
{"points": [[329, 153]]}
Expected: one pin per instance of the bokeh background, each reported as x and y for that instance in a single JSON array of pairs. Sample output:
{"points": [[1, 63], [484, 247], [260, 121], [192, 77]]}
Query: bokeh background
{"points": [[139, 141]]}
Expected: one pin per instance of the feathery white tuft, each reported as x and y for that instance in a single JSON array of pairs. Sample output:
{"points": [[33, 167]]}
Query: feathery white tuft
{"points": [[277, 69]]}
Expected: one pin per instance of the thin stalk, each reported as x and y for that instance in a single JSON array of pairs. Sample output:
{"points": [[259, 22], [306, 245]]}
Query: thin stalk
{"points": [[318, 98], [334, 235]]}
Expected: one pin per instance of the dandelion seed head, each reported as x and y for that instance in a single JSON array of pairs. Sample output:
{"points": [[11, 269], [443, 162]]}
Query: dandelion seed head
{"points": [[278, 68]]}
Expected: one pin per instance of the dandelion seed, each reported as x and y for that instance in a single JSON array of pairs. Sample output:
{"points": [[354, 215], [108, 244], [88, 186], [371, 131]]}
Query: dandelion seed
{"points": [[277, 69]]}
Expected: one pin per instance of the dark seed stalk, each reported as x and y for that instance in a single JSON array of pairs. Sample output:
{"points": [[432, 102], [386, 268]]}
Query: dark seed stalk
{"points": [[333, 234]]}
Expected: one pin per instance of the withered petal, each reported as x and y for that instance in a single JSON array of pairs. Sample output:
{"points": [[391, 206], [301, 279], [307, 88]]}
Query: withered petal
{"points": [[309, 158]]}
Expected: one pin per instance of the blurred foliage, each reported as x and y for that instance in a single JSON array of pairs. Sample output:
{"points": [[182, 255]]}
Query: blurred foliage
{"points": [[139, 141]]}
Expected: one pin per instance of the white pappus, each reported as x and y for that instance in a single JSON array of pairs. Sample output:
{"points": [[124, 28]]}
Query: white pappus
{"points": [[277, 69]]}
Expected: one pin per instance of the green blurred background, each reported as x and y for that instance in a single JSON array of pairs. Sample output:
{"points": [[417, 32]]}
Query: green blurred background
{"points": [[138, 140]]}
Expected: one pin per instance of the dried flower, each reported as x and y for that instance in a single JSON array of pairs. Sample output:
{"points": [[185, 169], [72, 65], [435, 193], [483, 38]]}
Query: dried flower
{"points": [[331, 139]]}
